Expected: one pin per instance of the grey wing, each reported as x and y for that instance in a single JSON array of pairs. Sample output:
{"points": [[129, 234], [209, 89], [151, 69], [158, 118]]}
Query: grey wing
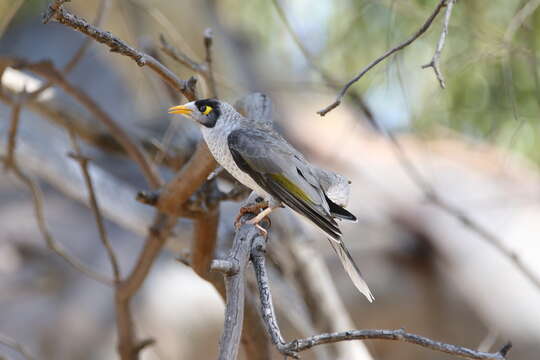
{"points": [[267, 159]]}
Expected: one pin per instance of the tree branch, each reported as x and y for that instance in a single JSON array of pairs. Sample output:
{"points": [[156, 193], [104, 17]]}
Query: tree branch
{"points": [[208, 40], [47, 70], [434, 63], [56, 12], [326, 76], [371, 65], [233, 268], [397, 335], [294, 347], [92, 199]]}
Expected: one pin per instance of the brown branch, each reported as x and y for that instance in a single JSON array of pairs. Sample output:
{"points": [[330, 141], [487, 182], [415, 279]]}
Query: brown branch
{"points": [[204, 69], [52, 244], [174, 194], [47, 70], [128, 346], [208, 40], [56, 12], [11, 343], [404, 44], [63, 114], [434, 63], [12, 133], [83, 162]]}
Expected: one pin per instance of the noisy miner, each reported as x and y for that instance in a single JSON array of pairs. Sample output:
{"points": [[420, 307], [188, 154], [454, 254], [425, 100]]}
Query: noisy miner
{"points": [[265, 162], [257, 109]]}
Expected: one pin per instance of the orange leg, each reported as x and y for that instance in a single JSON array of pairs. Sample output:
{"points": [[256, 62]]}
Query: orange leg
{"points": [[252, 209]]}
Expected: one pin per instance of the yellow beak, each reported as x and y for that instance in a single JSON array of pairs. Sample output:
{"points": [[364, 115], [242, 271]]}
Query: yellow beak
{"points": [[180, 109]]}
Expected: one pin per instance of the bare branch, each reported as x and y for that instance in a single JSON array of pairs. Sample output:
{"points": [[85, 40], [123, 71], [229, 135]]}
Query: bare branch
{"points": [[11, 343], [208, 40], [181, 57], [487, 236], [397, 335], [435, 199], [204, 69], [292, 348], [47, 70], [265, 295], [371, 65], [83, 162], [52, 244], [65, 115], [56, 12], [235, 284], [187, 181], [12, 133], [434, 63], [327, 77], [128, 346]]}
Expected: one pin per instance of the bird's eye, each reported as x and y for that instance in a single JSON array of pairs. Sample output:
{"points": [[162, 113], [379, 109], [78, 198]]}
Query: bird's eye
{"points": [[205, 109]]}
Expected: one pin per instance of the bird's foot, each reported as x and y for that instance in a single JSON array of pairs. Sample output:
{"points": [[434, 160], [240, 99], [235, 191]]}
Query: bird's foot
{"points": [[254, 208]]}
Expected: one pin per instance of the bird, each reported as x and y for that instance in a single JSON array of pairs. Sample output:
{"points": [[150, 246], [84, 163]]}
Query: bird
{"points": [[257, 109], [261, 159]]}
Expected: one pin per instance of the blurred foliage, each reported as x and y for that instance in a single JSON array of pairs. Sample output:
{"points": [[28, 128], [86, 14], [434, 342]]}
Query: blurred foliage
{"points": [[492, 90]]}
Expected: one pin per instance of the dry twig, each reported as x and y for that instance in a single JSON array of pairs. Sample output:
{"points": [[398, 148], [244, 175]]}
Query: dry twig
{"points": [[294, 347], [56, 12], [327, 77], [434, 63], [37, 196], [83, 162], [371, 65], [48, 71]]}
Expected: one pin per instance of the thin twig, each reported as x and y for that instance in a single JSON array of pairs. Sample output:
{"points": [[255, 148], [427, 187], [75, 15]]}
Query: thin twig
{"points": [[208, 40], [11, 343], [12, 132], [327, 77], [56, 12], [404, 44], [52, 244], [396, 335], [435, 61], [128, 346], [83, 162], [49, 72], [62, 113]]}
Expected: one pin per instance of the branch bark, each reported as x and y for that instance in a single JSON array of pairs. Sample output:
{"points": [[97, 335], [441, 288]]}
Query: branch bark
{"points": [[234, 268]]}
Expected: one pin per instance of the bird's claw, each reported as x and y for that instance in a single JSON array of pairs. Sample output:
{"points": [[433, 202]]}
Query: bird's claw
{"points": [[248, 209]]}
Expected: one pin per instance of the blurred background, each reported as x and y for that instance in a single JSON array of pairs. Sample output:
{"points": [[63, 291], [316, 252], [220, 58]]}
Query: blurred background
{"points": [[474, 144]]}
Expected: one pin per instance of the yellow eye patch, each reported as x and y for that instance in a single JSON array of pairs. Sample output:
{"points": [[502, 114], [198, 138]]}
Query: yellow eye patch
{"points": [[207, 110]]}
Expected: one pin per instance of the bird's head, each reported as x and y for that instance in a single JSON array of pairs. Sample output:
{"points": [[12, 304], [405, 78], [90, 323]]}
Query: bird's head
{"points": [[206, 112]]}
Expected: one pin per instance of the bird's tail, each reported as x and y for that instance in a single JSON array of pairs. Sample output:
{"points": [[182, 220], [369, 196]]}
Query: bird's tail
{"points": [[350, 267]]}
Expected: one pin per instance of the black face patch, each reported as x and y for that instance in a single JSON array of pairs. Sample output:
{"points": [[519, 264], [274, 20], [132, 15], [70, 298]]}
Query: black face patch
{"points": [[212, 117]]}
